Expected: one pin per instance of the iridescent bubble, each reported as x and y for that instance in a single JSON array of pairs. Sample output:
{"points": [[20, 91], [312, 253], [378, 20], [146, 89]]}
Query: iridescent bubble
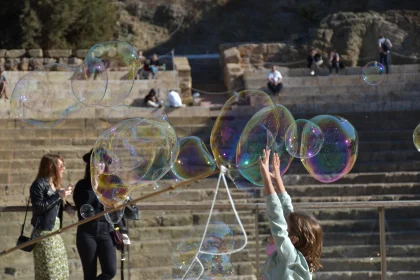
{"points": [[116, 57], [217, 265], [373, 73], [185, 251], [266, 128], [168, 180], [213, 254], [133, 153], [232, 120], [90, 81], [339, 152], [193, 159], [416, 137], [44, 97], [304, 139], [219, 239], [87, 211], [114, 217], [243, 184]]}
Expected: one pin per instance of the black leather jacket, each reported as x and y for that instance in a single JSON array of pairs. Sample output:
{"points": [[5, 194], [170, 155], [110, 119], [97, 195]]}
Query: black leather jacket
{"points": [[46, 205]]}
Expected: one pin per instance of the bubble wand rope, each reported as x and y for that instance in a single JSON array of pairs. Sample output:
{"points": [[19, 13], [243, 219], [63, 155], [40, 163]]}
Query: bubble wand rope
{"points": [[223, 171], [66, 228]]}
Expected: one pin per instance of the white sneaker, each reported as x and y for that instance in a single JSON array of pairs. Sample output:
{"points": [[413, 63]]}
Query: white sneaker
{"points": [[312, 73]]}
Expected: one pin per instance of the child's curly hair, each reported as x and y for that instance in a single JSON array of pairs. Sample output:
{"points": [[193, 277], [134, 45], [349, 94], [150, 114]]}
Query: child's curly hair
{"points": [[309, 233]]}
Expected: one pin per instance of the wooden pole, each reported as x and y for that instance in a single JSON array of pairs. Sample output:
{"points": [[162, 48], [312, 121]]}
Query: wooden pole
{"points": [[382, 242], [66, 228]]}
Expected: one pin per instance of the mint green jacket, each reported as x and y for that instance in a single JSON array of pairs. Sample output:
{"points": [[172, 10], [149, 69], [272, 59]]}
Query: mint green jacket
{"points": [[287, 263]]}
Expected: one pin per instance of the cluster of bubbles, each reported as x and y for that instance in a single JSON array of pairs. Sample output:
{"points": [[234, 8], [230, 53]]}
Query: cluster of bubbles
{"points": [[137, 152], [40, 99], [326, 145]]}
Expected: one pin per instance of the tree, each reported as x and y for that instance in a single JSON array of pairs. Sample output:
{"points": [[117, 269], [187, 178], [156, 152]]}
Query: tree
{"points": [[55, 24]]}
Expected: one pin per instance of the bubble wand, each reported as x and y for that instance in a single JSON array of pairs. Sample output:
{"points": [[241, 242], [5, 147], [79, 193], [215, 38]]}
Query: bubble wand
{"points": [[116, 207]]}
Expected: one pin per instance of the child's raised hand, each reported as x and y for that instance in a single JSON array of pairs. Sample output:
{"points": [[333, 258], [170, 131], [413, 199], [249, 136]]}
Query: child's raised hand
{"points": [[276, 167], [264, 164]]}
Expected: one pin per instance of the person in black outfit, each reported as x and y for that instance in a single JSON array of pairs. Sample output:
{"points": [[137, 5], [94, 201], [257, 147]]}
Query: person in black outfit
{"points": [[384, 45], [314, 61], [93, 239], [334, 61]]}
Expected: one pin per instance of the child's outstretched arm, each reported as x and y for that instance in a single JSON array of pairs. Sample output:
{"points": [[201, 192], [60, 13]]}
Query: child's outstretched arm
{"points": [[285, 250], [285, 200]]}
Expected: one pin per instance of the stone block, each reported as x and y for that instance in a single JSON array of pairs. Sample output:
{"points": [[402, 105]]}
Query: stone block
{"points": [[50, 60], [15, 53], [80, 53], [74, 61], [35, 63], [231, 55], [2, 62], [24, 64], [11, 64], [275, 48], [35, 53], [233, 69], [63, 60], [57, 53], [3, 53], [248, 49], [256, 59]]}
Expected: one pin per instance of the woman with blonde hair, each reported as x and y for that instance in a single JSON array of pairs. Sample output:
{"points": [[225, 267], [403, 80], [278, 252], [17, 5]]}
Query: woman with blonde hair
{"points": [[47, 196]]}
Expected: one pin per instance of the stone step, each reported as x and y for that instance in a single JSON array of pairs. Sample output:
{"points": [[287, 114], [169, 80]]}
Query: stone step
{"points": [[260, 77], [370, 251], [355, 98], [370, 238], [393, 225], [356, 264], [365, 275]]}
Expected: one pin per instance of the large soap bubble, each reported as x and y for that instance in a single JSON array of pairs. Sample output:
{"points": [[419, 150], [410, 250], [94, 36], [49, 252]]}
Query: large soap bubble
{"points": [[120, 60], [133, 153], [373, 73], [339, 152], [416, 137], [232, 120], [44, 97], [214, 252], [304, 139], [90, 81], [266, 128], [193, 159]]}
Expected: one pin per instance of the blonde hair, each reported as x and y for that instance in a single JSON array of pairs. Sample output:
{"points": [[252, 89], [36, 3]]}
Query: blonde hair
{"points": [[310, 237], [48, 168]]}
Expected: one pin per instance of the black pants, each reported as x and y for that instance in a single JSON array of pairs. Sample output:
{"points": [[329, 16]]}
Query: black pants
{"points": [[384, 60], [94, 241], [275, 89], [334, 65]]}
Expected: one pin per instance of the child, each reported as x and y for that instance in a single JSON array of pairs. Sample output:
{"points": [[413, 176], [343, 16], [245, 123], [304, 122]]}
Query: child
{"points": [[297, 236]]}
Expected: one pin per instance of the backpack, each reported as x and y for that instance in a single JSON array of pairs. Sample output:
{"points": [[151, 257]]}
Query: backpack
{"points": [[386, 45]]}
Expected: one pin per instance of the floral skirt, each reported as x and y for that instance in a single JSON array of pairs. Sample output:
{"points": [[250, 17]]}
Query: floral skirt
{"points": [[50, 256]]}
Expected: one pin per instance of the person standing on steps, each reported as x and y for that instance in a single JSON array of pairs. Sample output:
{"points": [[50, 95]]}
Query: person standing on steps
{"points": [[385, 46], [93, 239], [47, 196]]}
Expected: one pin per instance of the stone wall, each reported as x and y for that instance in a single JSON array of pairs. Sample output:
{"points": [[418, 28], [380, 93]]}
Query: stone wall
{"points": [[238, 58], [29, 59]]}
